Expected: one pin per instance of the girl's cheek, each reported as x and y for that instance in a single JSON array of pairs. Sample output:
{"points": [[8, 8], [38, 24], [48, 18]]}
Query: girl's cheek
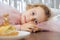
{"points": [[38, 25]]}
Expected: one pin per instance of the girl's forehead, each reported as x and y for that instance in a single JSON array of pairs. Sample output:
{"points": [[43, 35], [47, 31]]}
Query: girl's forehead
{"points": [[36, 9]]}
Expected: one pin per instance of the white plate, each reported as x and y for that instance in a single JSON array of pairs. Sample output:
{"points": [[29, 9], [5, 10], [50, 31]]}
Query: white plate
{"points": [[21, 35]]}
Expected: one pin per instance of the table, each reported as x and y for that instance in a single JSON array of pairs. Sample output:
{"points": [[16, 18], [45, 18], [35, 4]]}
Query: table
{"points": [[43, 36]]}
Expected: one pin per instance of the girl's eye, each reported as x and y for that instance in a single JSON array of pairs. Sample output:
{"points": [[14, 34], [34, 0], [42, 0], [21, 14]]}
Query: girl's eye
{"points": [[35, 21], [33, 13]]}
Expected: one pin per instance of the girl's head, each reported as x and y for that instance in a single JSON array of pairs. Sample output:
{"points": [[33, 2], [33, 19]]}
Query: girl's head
{"points": [[36, 13]]}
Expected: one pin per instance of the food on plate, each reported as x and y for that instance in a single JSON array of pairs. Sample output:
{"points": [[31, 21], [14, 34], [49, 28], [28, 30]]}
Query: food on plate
{"points": [[13, 33], [6, 29]]}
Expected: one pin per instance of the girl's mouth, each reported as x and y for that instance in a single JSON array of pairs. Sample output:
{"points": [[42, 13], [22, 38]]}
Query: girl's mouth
{"points": [[25, 19]]}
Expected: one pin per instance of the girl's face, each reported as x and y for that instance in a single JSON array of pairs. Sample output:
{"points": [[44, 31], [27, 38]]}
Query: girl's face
{"points": [[35, 15]]}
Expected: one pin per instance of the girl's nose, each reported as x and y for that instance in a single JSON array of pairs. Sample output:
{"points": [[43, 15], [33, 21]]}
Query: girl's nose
{"points": [[32, 18]]}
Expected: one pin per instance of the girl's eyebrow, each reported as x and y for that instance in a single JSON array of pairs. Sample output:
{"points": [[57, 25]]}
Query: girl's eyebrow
{"points": [[34, 11]]}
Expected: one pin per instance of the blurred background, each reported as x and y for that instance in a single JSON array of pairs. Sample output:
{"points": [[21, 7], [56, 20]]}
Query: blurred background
{"points": [[21, 4]]}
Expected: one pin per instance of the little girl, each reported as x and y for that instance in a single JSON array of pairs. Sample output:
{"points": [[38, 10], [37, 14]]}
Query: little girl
{"points": [[34, 14]]}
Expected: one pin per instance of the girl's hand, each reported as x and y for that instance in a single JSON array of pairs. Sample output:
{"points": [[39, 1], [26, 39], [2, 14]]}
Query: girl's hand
{"points": [[31, 27]]}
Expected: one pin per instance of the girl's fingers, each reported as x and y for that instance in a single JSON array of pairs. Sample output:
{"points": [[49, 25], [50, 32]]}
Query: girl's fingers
{"points": [[30, 30]]}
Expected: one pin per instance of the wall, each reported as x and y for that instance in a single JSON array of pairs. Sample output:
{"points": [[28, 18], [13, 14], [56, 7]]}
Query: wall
{"points": [[21, 4]]}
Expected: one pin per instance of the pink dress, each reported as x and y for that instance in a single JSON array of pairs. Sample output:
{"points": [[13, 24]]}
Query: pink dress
{"points": [[14, 15]]}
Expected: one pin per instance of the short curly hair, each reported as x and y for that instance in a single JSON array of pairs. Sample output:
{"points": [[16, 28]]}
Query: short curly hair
{"points": [[46, 9]]}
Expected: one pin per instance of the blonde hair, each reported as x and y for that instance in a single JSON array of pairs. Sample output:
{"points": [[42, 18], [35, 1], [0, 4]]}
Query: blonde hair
{"points": [[46, 9]]}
